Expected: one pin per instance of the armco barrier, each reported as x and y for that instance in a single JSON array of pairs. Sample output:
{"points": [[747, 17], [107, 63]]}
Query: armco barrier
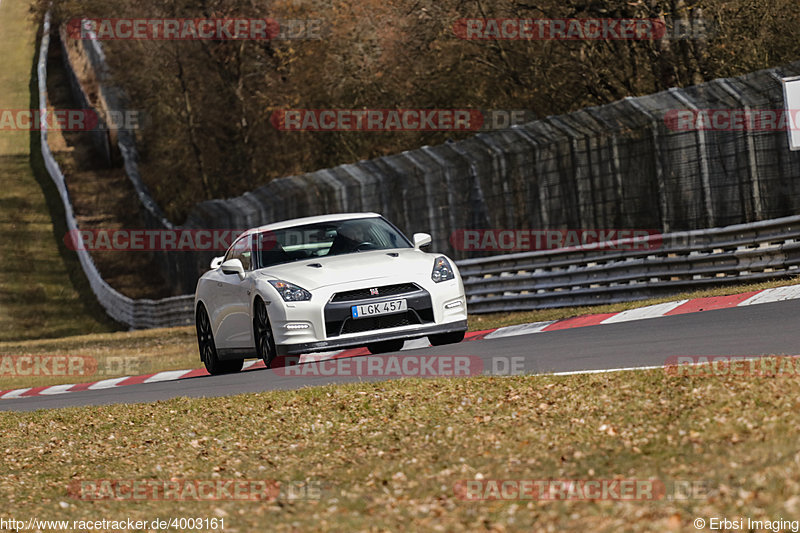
{"points": [[182, 269], [675, 262], [134, 313], [111, 98]]}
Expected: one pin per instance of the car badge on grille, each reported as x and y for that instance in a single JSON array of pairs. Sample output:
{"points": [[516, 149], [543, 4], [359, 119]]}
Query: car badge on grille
{"points": [[373, 292]]}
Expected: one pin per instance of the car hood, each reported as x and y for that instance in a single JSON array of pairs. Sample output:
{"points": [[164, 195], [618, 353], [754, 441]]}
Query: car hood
{"points": [[373, 266]]}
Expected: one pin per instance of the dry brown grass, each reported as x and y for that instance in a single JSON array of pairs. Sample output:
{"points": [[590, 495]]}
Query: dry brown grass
{"points": [[389, 455]]}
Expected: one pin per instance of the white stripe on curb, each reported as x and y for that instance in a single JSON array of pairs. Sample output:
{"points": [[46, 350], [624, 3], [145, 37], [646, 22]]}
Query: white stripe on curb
{"points": [[169, 375], [602, 371], [776, 294], [14, 394], [664, 366], [651, 311], [413, 344], [519, 329], [56, 389], [107, 383], [319, 356]]}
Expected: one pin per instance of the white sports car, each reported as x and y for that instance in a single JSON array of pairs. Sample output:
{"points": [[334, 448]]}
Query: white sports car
{"points": [[324, 283]]}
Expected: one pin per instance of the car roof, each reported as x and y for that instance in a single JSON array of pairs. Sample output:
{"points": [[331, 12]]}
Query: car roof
{"points": [[309, 220]]}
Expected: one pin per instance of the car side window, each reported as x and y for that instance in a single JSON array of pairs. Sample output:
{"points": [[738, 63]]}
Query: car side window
{"points": [[242, 251]]}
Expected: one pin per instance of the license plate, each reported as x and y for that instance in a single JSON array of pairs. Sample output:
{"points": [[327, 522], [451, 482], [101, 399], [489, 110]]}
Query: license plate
{"points": [[383, 308]]}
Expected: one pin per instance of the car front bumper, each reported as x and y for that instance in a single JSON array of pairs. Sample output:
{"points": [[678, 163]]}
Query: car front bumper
{"points": [[405, 333], [319, 325]]}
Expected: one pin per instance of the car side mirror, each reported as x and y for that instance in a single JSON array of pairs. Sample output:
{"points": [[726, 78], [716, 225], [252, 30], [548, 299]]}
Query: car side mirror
{"points": [[233, 266], [421, 239], [216, 262]]}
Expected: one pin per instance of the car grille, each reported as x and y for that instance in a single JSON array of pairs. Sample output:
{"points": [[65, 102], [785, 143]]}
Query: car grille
{"points": [[379, 322], [360, 325], [364, 294], [339, 321]]}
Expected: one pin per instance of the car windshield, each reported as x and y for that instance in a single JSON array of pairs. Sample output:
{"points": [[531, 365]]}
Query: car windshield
{"points": [[326, 239]]}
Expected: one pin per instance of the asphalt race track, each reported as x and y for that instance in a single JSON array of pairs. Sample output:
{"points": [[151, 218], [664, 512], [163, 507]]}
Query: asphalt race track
{"points": [[763, 329]]}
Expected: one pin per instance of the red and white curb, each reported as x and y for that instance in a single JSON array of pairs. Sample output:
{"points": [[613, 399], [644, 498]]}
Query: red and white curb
{"points": [[679, 307]]}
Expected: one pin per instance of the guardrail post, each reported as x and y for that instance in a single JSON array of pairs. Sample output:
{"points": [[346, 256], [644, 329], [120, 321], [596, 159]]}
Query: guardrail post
{"points": [[574, 187], [702, 154], [543, 214], [659, 164], [752, 164]]}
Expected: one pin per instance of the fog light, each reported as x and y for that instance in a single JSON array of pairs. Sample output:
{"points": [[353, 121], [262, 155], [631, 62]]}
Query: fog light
{"points": [[451, 305], [296, 325]]}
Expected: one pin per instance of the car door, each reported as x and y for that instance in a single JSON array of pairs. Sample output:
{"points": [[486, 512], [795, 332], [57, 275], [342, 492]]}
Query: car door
{"points": [[234, 324]]}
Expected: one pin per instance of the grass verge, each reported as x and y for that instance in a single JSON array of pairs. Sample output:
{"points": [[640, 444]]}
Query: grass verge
{"points": [[108, 355], [389, 455], [102, 196], [43, 291]]}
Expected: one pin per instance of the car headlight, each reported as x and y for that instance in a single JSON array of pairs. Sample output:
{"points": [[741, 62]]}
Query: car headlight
{"points": [[290, 292], [442, 271]]}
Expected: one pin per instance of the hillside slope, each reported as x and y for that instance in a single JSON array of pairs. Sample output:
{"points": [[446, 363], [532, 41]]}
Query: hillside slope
{"points": [[43, 292]]}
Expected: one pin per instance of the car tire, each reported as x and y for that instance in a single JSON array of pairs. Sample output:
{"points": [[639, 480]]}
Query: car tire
{"points": [[208, 349], [385, 346], [453, 337], [262, 333]]}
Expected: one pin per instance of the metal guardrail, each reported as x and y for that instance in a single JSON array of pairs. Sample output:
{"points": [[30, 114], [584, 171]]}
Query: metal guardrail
{"points": [[181, 269], [173, 311], [670, 263]]}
